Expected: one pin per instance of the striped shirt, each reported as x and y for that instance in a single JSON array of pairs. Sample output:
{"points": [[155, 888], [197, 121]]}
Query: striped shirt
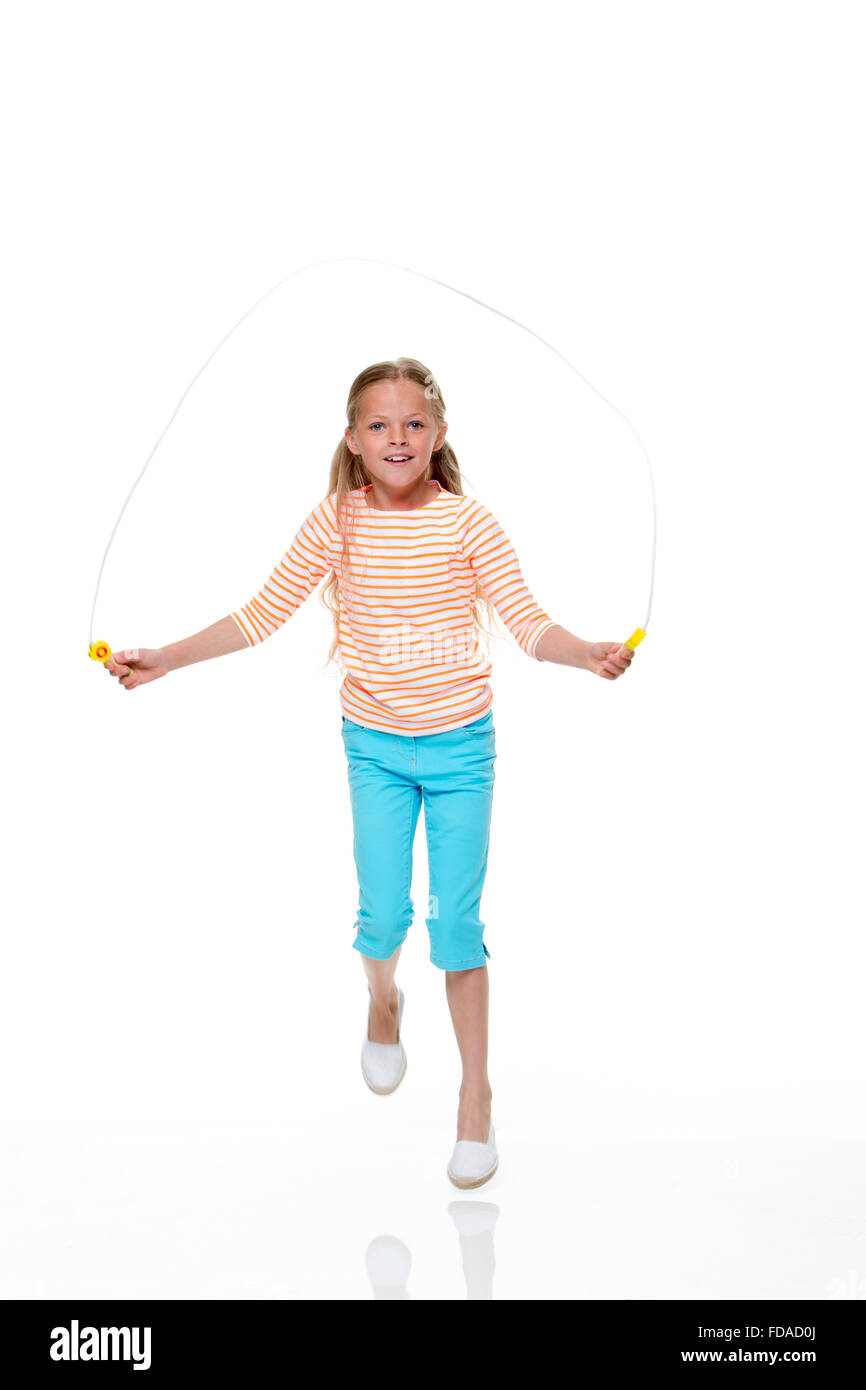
{"points": [[407, 640]]}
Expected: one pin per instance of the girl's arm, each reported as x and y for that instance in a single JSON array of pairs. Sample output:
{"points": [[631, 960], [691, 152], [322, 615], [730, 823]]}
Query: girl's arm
{"points": [[608, 659], [492, 557], [559, 645], [302, 566], [140, 665], [493, 560], [217, 640]]}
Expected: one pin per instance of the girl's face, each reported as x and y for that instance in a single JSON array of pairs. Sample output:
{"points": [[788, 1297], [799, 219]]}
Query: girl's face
{"points": [[396, 434]]}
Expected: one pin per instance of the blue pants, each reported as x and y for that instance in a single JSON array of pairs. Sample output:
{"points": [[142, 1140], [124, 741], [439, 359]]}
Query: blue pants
{"points": [[389, 776]]}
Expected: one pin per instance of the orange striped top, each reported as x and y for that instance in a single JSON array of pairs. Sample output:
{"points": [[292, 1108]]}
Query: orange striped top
{"points": [[406, 636]]}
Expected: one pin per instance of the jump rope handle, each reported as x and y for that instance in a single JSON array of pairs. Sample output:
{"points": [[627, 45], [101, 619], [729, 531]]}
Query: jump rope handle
{"points": [[637, 636]]}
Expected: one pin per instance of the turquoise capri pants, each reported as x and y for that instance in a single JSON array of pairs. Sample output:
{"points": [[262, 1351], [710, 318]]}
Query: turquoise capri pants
{"points": [[389, 777]]}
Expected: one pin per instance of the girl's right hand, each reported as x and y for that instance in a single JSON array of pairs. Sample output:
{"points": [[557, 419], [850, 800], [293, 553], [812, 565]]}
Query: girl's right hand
{"points": [[136, 666]]}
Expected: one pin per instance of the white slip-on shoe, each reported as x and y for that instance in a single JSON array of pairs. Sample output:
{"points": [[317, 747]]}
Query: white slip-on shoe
{"points": [[384, 1064], [473, 1163]]}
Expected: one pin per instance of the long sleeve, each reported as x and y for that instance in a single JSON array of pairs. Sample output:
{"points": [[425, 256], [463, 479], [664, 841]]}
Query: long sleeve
{"points": [[303, 565], [492, 558]]}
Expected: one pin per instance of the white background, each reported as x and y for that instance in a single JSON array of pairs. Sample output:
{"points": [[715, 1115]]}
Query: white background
{"points": [[672, 196]]}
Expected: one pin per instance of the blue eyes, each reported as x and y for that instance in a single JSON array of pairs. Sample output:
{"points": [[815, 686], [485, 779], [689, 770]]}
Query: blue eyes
{"points": [[377, 423]]}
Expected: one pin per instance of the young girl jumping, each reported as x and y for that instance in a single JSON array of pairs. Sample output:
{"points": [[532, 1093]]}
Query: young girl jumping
{"points": [[410, 561]]}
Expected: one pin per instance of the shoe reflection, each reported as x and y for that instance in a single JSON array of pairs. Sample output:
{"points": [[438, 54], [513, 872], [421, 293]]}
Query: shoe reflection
{"points": [[388, 1264], [389, 1261], [475, 1222]]}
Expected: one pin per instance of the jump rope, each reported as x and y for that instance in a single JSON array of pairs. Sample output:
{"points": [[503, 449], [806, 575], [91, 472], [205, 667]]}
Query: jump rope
{"points": [[100, 651]]}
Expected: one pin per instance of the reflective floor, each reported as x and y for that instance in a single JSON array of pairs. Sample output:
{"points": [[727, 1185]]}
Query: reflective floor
{"points": [[281, 1215]]}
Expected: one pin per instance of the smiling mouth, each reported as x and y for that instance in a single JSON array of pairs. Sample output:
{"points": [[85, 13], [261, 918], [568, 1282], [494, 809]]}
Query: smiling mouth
{"points": [[399, 458]]}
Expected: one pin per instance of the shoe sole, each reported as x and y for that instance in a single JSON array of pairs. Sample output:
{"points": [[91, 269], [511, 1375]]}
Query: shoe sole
{"points": [[377, 1090], [466, 1183]]}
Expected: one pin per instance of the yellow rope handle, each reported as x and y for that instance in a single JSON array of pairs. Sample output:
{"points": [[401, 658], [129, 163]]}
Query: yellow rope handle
{"points": [[637, 636], [100, 651]]}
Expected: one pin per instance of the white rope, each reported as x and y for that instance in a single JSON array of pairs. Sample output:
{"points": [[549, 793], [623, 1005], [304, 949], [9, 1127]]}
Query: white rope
{"points": [[373, 261]]}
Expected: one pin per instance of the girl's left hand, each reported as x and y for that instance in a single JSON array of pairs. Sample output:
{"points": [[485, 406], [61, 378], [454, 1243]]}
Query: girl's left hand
{"points": [[609, 659]]}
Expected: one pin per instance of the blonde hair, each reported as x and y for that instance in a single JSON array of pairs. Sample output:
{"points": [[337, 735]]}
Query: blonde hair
{"points": [[348, 473]]}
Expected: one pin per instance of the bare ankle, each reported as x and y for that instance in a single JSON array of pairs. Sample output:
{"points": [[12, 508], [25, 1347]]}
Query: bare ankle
{"points": [[478, 1093], [384, 1002]]}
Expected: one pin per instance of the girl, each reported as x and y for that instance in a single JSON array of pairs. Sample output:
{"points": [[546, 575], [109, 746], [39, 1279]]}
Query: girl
{"points": [[407, 556]]}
